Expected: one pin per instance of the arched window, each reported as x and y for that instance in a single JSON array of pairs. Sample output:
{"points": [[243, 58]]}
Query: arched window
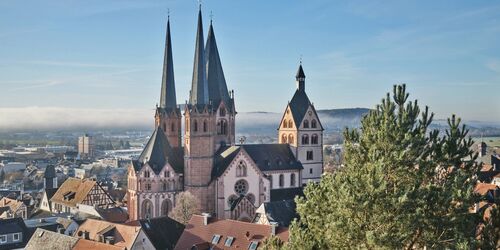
{"points": [[313, 123], [290, 124], [241, 170], [251, 198], [290, 139], [314, 139], [205, 126], [166, 174], [166, 206], [164, 184], [195, 126], [306, 124], [222, 127], [187, 125], [292, 180], [172, 127], [222, 112], [285, 123], [283, 138], [281, 180], [147, 209], [164, 127], [146, 174], [305, 139]]}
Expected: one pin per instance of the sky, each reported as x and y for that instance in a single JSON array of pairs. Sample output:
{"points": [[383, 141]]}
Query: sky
{"points": [[102, 56]]}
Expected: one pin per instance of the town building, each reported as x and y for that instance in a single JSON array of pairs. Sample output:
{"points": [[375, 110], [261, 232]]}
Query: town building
{"points": [[229, 180], [12, 208], [86, 146], [80, 196], [204, 232], [13, 233]]}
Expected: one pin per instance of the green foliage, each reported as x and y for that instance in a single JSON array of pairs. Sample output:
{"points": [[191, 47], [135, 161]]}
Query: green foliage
{"points": [[403, 186], [272, 243]]}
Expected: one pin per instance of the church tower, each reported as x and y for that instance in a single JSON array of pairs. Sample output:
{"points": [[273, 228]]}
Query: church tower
{"points": [[209, 119], [50, 177], [301, 128], [168, 115]]}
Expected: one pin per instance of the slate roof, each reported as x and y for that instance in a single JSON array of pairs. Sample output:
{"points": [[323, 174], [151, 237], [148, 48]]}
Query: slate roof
{"points": [[168, 100], [199, 85], [217, 87], [286, 193], [268, 157], [282, 212], [158, 151], [12, 225], [196, 233], [300, 72], [164, 232], [50, 172]]}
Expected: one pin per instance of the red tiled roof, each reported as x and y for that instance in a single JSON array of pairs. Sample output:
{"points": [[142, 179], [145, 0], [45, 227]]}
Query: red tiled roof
{"points": [[196, 233], [483, 188]]}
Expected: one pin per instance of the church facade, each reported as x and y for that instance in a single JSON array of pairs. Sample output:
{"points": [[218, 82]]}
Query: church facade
{"points": [[229, 180]]}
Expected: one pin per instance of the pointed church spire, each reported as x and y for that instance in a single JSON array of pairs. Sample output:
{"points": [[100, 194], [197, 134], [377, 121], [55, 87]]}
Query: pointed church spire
{"points": [[167, 98], [301, 78], [199, 87], [217, 87]]}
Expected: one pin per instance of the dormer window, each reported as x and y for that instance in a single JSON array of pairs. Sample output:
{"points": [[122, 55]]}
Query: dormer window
{"points": [[229, 241], [253, 245]]}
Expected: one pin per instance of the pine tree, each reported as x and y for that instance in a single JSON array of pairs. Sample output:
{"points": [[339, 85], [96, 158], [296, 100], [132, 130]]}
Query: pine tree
{"points": [[403, 186]]}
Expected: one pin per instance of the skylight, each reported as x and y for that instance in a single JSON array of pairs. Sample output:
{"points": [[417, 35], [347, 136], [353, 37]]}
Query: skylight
{"points": [[253, 245], [215, 239], [229, 241]]}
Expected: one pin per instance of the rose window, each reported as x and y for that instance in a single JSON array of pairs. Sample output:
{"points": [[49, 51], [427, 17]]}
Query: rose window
{"points": [[241, 187]]}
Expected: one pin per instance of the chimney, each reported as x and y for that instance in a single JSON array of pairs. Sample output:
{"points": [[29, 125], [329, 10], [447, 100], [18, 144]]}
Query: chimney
{"points": [[110, 240], [274, 225], [206, 216]]}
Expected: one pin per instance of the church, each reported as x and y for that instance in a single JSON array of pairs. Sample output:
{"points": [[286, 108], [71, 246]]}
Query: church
{"points": [[229, 180]]}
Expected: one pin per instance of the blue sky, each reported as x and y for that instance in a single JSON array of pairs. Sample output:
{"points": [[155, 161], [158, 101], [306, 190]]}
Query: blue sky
{"points": [[102, 54]]}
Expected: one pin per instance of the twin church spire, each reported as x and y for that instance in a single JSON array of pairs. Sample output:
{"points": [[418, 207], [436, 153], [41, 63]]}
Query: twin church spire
{"points": [[167, 97], [208, 84]]}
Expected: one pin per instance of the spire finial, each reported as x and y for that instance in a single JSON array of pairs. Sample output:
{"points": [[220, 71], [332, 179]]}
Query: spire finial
{"points": [[168, 14], [199, 4], [300, 60], [211, 17]]}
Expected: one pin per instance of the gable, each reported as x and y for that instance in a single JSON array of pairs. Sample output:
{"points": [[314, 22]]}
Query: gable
{"points": [[310, 115]]}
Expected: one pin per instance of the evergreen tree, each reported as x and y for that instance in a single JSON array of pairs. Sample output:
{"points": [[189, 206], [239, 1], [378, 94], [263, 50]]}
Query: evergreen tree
{"points": [[403, 186]]}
